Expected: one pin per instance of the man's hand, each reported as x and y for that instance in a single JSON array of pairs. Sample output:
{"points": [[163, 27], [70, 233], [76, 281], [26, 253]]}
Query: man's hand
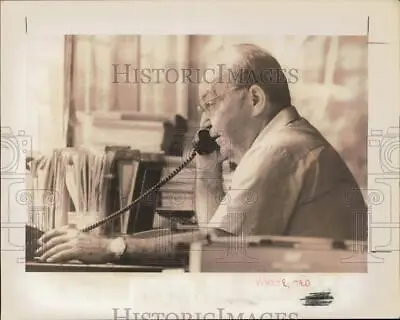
{"points": [[68, 243], [208, 163]]}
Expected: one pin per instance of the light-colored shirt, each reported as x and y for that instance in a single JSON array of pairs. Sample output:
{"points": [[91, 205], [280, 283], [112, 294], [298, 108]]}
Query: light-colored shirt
{"points": [[292, 182]]}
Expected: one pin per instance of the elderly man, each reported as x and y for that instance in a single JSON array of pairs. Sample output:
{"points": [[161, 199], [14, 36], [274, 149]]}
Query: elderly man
{"points": [[289, 180]]}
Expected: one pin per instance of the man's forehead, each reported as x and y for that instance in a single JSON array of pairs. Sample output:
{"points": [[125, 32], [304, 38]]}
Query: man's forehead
{"points": [[217, 71]]}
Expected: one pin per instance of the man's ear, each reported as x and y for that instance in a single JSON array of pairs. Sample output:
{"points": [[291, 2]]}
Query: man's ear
{"points": [[258, 101]]}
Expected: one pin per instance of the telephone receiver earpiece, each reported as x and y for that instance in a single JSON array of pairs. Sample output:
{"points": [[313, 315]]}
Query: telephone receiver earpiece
{"points": [[203, 143]]}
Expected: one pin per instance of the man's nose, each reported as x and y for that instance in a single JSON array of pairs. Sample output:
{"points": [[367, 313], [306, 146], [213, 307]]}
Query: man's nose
{"points": [[205, 121]]}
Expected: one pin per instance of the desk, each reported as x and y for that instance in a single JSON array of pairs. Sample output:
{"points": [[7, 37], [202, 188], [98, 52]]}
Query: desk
{"points": [[80, 267]]}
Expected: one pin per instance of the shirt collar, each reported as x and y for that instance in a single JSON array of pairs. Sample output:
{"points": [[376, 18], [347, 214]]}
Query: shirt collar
{"points": [[281, 120]]}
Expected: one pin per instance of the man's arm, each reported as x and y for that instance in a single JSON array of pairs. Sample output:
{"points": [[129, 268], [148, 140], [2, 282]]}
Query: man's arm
{"points": [[163, 247], [209, 182], [209, 188], [158, 248], [67, 243]]}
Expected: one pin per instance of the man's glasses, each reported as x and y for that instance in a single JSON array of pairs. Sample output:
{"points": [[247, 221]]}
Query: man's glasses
{"points": [[211, 99]]}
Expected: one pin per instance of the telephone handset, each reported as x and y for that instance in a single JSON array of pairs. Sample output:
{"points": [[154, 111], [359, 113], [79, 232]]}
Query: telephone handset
{"points": [[202, 144]]}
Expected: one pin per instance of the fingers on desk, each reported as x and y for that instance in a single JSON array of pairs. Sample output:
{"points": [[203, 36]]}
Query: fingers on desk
{"points": [[52, 243], [58, 251], [65, 255]]}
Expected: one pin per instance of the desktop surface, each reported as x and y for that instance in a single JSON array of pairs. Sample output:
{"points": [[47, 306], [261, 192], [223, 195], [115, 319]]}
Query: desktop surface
{"points": [[81, 267]]}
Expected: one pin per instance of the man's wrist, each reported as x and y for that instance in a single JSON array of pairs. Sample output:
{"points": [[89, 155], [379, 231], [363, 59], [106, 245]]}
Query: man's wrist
{"points": [[207, 173]]}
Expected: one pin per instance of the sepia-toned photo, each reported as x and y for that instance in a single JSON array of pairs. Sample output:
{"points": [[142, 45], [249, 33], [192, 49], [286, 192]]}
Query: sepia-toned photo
{"points": [[203, 153], [200, 160]]}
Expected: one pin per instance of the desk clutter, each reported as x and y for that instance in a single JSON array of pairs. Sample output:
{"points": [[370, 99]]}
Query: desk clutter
{"points": [[279, 254], [72, 185]]}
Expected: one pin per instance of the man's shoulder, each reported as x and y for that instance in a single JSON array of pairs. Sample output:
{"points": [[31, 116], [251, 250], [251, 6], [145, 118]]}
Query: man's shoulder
{"points": [[282, 150], [293, 141]]}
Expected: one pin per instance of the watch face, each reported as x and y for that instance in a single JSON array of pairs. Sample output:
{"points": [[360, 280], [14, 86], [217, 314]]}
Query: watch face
{"points": [[117, 246]]}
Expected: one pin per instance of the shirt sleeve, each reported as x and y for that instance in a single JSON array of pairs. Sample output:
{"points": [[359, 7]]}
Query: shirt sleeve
{"points": [[264, 191]]}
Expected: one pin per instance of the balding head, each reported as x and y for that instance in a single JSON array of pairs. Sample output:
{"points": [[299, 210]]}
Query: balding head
{"points": [[244, 65]]}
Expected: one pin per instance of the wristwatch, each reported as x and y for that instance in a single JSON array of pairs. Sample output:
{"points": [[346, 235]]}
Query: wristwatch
{"points": [[116, 248]]}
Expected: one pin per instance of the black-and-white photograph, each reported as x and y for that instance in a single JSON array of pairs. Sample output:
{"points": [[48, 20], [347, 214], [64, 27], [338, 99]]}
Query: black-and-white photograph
{"points": [[203, 153]]}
